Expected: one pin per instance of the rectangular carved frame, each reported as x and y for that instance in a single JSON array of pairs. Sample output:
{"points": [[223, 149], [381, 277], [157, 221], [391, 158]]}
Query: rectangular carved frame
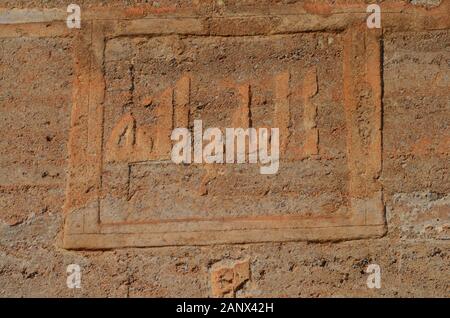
{"points": [[84, 229]]}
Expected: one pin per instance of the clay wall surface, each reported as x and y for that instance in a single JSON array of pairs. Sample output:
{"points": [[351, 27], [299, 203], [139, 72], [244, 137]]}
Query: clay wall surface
{"points": [[86, 176]]}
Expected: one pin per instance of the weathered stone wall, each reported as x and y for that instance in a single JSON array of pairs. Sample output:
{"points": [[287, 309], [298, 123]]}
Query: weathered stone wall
{"points": [[379, 144]]}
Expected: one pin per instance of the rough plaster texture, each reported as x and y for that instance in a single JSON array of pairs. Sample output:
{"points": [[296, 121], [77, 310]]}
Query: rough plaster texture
{"points": [[48, 171]]}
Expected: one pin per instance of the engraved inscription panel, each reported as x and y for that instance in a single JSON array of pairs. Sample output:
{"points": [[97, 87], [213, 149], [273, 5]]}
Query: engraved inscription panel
{"points": [[154, 84], [321, 89]]}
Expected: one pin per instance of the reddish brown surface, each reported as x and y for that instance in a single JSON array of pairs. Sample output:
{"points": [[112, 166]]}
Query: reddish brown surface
{"points": [[364, 120]]}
